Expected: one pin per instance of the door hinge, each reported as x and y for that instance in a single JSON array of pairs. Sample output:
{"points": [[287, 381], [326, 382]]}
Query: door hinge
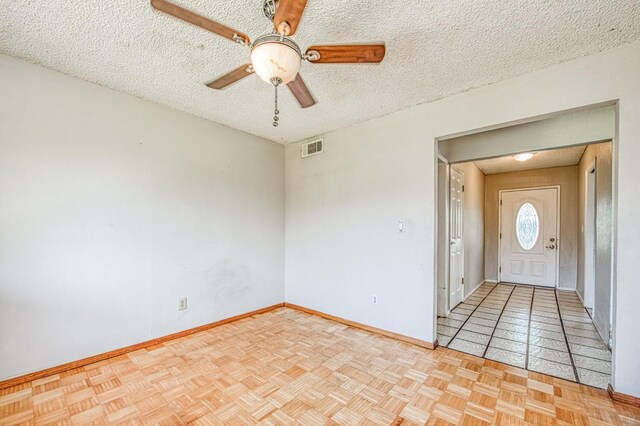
{"points": [[500, 202], [501, 235], [462, 280], [462, 188], [500, 269]]}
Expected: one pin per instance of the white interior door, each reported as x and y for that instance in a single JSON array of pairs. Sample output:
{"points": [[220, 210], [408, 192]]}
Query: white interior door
{"points": [[456, 243], [529, 236]]}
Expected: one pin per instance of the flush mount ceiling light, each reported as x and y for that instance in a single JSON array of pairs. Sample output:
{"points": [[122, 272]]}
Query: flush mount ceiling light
{"points": [[525, 156], [275, 57]]}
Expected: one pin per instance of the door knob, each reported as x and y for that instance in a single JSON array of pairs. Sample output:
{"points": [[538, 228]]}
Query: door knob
{"points": [[552, 239], [551, 247]]}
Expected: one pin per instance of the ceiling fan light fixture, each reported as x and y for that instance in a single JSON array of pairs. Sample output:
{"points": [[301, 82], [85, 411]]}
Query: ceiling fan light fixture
{"points": [[276, 56], [525, 156]]}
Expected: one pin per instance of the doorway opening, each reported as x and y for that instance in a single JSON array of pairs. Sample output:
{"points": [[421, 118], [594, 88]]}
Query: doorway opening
{"points": [[525, 247], [456, 241]]}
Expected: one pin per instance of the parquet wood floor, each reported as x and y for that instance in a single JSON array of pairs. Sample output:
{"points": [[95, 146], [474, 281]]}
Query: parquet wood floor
{"points": [[288, 367]]}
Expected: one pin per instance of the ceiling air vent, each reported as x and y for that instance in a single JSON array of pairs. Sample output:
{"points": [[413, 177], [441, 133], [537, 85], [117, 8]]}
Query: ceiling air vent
{"points": [[312, 148]]}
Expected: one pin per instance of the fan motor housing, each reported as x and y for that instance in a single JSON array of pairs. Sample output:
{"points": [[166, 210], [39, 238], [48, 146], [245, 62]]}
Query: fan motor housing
{"points": [[277, 38]]}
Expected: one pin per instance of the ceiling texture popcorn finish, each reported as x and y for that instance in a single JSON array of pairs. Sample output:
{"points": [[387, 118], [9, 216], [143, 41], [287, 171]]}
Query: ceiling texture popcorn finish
{"points": [[434, 50]]}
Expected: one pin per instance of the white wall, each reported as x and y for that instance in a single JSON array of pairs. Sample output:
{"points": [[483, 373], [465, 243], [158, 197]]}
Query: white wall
{"points": [[111, 208], [343, 205], [474, 225], [569, 129]]}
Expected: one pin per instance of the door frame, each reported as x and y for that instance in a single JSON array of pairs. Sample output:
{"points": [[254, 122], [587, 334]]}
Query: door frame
{"points": [[558, 210], [592, 167], [447, 179], [449, 307]]}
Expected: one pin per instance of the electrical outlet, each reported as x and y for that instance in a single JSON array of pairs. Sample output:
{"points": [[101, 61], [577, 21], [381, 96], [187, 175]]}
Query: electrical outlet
{"points": [[374, 299], [182, 304]]}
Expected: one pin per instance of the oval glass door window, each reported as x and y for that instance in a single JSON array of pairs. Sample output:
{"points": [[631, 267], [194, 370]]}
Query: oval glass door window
{"points": [[527, 226]]}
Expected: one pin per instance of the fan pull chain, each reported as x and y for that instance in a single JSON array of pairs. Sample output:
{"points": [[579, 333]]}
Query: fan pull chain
{"points": [[276, 82], [275, 111]]}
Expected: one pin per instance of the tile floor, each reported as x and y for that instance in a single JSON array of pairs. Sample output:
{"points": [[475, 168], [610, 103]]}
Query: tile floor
{"points": [[536, 328]]}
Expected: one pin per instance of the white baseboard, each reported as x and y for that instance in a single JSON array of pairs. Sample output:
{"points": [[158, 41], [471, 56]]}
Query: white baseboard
{"points": [[474, 289], [491, 281], [580, 297]]}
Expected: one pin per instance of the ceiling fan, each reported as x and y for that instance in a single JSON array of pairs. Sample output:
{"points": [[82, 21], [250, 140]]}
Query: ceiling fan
{"points": [[276, 57]]}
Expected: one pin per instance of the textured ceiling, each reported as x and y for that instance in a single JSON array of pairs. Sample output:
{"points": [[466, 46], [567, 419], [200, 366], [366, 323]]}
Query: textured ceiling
{"points": [[434, 49], [542, 160]]}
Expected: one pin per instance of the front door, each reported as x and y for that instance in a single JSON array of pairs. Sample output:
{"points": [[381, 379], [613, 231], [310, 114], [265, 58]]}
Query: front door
{"points": [[456, 248], [529, 236]]}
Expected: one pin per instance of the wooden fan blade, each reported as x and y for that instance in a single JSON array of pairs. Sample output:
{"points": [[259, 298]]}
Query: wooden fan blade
{"points": [[201, 21], [288, 16], [346, 53], [230, 78], [301, 92]]}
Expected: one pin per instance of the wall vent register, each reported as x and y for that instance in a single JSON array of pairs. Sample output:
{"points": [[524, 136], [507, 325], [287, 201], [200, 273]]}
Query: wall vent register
{"points": [[312, 148]]}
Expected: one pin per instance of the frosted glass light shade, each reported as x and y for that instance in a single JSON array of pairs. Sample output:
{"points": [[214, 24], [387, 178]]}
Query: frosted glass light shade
{"points": [[275, 60], [525, 156]]}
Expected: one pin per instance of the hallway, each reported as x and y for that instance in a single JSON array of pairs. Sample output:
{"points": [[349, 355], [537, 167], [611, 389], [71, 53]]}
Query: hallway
{"points": [[546, 330]]}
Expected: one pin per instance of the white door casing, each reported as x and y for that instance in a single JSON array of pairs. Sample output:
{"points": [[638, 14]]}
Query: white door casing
{"points": [[589, 238], [529, 236], [442, 272], [456, 243]]}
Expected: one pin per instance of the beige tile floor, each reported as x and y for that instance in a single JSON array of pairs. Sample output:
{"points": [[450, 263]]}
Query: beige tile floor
{"points": [[536, 328]]}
